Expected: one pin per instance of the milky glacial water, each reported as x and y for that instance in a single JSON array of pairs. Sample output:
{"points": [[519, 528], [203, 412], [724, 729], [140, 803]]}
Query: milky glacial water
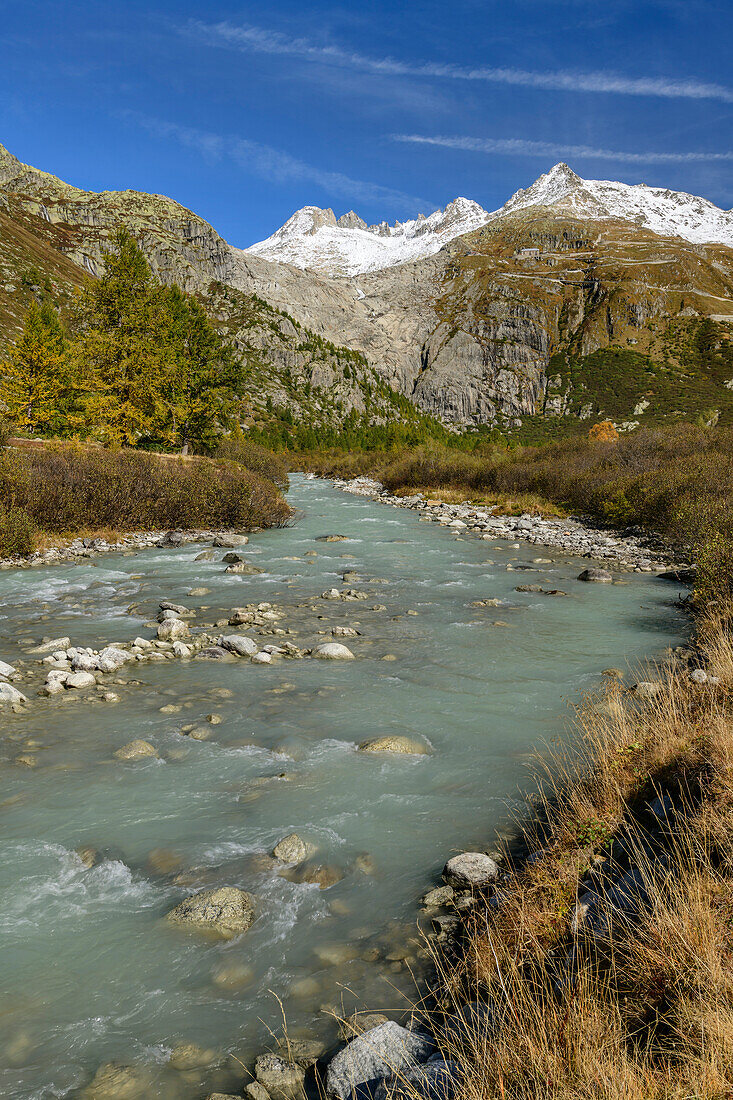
{"points": [[89, 970]]}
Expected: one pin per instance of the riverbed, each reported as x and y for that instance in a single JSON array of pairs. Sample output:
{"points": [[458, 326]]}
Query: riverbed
{"points": [[90, 972]]}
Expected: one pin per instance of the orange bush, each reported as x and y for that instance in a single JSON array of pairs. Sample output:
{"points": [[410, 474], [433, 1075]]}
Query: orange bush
{"points": [[604, 432]]}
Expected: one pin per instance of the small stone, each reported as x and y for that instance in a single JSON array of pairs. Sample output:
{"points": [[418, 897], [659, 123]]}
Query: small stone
{"points": [[173, 630], [647, 689], [261, 659], [80, 680], [239, 644], [283, 1080], [395, 743]]}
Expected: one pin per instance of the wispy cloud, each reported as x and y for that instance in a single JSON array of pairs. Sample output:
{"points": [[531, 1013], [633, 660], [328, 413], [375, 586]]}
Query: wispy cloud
{"points": [[276, 165], [518, 147], [257, 39]]}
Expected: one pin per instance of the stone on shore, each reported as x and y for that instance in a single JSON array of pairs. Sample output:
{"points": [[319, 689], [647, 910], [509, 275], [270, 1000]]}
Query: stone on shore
{"points": [[227, 911], [229, 542], [395, 743], [647, 689], [283, 1080], [384, 1051], [135, 750], [600, 576], [470, 869], [360, 1022], [333, 651]]}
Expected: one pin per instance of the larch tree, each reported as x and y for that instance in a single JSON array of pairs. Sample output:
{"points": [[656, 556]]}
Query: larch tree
{"points": [[32, 378]]}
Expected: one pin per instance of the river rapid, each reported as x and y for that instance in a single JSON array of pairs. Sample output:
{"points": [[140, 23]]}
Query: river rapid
{"points": [[90, 971]]}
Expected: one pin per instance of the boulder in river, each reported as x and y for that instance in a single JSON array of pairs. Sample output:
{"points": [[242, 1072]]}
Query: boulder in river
{"points": [[135, 750], [80, 680], [244, 567], [205, 555], [117, 1082], [333, 651], [6, 670], [229, 542], [173, 630], [292, 849], [470, 869], [599, 576], [395, 743], [384, 1051], [10, 694], [227, 911], [239, 644], [332, 538]]}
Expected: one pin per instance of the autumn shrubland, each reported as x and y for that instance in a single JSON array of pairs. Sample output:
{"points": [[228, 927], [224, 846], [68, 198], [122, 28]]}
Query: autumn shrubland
{"points": [[62, 489], [600, 966]]}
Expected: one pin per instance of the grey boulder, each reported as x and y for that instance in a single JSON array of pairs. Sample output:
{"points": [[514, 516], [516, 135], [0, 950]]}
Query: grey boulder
{"points": [[470, 869], [239, 644], [600, 576], [382, 1052]]}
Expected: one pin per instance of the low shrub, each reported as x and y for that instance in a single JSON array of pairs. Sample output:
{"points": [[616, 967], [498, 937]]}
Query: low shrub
{"points": [[70, 488], [237, 448], [17, 533]]}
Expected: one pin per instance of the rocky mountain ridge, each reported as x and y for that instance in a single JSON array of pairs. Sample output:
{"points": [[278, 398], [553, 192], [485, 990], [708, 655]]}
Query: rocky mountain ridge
{"points": [[316, 240], [503, 323]]}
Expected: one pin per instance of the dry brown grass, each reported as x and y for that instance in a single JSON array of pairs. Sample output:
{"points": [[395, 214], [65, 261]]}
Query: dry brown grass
{"points": [[643, 1007]]}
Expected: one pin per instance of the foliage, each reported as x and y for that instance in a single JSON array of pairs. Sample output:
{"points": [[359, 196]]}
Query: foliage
{"points": [[140, 364], [17, 532], [604, 432], [66, 488], [237, 447], [35, 374]]}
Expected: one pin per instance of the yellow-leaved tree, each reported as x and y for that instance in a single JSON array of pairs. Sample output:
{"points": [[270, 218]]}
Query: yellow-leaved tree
{"points": [[33, 377]]}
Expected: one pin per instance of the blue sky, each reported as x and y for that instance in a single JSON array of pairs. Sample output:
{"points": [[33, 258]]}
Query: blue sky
{"points": [[245, 112]]}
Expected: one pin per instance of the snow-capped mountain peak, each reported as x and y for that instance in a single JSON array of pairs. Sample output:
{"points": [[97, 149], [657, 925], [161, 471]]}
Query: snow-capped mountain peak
{"points": [[317, 240]]}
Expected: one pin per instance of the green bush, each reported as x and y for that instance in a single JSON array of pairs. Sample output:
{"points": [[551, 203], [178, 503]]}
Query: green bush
{"points": [[17, 533]]}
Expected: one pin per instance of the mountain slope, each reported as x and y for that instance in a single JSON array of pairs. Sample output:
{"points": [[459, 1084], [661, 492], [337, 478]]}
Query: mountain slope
{"points": [[553, 308]]}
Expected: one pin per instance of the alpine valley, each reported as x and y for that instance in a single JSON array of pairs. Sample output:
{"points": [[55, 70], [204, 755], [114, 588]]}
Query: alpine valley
{"points": [[577, 299]]}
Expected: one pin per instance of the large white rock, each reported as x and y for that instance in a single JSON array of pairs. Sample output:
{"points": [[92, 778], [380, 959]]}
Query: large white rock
{"points": [[111, 658], [10, 694], [384, 1051], [333, 651], [6, 669], [470, 869], [80, 680]]}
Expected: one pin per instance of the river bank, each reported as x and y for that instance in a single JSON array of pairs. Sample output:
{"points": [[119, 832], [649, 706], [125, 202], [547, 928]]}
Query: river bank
{"points": [[637, 550], [104, 843]]}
